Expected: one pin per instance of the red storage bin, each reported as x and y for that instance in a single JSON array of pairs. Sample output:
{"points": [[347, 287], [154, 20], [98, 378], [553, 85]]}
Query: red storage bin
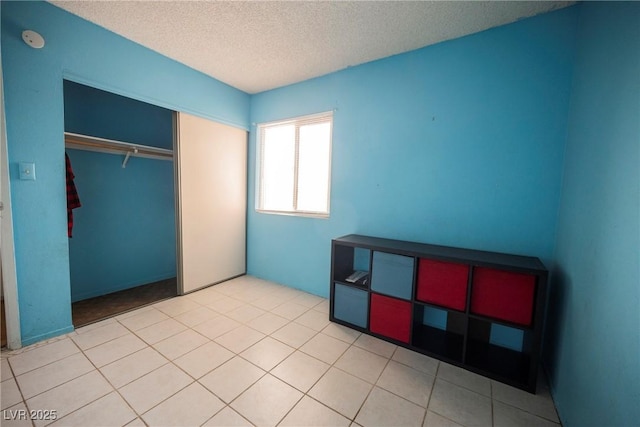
{"points": [[390, 317], [503, 295], [443, 283]]}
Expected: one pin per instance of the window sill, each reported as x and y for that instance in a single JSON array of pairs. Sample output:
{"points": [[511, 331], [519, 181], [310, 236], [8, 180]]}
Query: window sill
{"points": [[304, 214]]}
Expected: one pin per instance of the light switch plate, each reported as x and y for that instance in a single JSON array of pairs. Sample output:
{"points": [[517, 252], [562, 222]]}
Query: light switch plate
{"points": [[27, 171]]}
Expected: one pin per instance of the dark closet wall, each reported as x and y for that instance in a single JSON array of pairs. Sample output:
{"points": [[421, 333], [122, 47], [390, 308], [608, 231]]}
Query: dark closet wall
{"points": [[124, 233]]}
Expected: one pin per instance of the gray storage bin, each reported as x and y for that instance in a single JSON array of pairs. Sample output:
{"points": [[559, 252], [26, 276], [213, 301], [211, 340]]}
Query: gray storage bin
{"points": [[351, 305], [392, 274]]}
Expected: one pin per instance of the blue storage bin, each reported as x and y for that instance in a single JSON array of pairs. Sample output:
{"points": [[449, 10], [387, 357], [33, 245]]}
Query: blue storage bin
{"points": [[351, 305], [392, 274]]}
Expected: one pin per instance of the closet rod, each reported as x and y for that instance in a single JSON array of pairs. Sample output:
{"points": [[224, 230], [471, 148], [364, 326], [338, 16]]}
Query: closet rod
{"points": [[102, 145]]}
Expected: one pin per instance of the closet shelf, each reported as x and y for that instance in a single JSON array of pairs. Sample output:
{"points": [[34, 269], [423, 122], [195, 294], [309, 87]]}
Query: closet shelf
{"points": [[102, 145]]}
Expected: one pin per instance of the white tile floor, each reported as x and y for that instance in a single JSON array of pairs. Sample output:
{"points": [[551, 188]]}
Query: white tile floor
{"points": [[248, 352]]}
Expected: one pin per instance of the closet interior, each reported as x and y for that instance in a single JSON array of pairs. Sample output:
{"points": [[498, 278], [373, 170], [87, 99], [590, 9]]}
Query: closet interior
{"points": [[122, 237]]}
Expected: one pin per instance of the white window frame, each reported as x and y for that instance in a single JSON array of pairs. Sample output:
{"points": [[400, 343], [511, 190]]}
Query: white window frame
{"points": [[297, 122]]}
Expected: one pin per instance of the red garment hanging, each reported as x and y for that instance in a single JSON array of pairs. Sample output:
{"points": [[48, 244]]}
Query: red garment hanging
{"points": [[73, 201]]}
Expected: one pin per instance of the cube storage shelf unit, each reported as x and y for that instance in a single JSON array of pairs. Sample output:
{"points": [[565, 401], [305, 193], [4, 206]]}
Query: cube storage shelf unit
{"points": [[482, 311]]}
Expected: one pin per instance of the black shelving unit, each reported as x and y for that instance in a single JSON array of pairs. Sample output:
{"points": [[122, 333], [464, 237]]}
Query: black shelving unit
{"points": [[482, 311]]}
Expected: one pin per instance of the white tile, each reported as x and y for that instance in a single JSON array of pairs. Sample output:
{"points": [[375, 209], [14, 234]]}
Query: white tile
{"points": [[361, 363], [133, 312], [416, 360], [464, 378], [42, 355], [227, 417], [267, 353], [386, 409], [308, 300], [206, 296], [434, 420], [146, 392], [225, 304], [309, 412], [176, 306], [407, 382], [289, 310], [70, 396], [276, 399], [52, 375], [232, 378], [16, 416], [268, 302], [132, 367], [143, 319], [341, 392], [325, 348], [196, 317], [245, 313], [251, 295], [314, 320], [203, 359], [215, 327], [247, 295], [300, 370], [343, 333], [507, 416], [95, 325], [285, 293], [267, 323], [229, 287], [136, 423], [10, 393], [460, 404], [180, 344], [240, 338], [161, 330], [323, 307], [293, 334], [539, 404], [110, 410], [375, 345], [99, 335], [191, 406], [113, 350], [5, 370]]}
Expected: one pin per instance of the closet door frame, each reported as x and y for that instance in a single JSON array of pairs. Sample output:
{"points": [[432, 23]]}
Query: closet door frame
{"points": [[186, 207]]}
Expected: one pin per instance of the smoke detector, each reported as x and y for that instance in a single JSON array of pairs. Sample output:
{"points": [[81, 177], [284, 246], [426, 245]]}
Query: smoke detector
{"points": [[33, 39]]}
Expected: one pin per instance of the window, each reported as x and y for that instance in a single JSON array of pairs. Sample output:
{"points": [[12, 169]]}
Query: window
{"points": [[295, 166]]}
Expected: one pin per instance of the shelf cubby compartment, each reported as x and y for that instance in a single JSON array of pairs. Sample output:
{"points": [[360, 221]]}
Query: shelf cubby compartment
{"points": [[439, 332], [351, 305], [504, 295], [392, 274], [482, 311], [502, 351], [442, 283], [390, 317], [349, 259]]}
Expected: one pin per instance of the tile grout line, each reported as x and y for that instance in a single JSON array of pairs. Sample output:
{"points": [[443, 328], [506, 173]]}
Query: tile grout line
{"points": [[115, 389], [245, 291]]}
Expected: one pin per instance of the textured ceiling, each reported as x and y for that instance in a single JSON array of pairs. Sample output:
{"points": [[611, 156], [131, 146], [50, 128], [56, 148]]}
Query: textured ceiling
{"points": [[257, 46]]}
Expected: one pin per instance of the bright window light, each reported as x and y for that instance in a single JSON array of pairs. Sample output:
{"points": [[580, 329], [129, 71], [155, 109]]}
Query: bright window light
{"points": [[295, 166]]}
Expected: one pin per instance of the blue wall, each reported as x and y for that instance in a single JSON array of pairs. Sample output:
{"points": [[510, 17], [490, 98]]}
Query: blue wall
{"points": [[593, 334], [459, 143], [33, 83], [124, 234], [95, 112]]}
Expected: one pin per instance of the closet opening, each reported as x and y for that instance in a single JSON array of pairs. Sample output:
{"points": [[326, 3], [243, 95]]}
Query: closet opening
{"points": [[122, 224]]}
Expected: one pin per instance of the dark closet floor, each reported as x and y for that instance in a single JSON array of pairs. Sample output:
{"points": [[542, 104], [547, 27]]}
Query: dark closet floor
{"points": [[105, 306]]}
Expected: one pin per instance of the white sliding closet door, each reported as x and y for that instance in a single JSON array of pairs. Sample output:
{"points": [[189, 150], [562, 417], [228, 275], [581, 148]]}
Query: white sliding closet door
{"points": [[212, 202]]}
